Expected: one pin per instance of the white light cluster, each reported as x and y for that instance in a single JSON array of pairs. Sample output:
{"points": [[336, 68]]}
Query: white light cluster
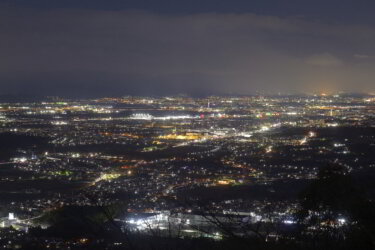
{"points": [[150, 117]]}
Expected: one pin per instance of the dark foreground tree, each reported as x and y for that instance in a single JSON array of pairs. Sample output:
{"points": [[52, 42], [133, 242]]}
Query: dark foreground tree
{"points": [[335, 213]]}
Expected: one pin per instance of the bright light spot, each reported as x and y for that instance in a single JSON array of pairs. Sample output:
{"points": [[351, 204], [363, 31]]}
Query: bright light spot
{"points": [[312, 134], [264, 128], [341, 221], [269, 149], [11, 216], [289, 222]]}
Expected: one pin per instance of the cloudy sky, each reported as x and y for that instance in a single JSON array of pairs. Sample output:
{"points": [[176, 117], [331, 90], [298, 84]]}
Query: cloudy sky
{"points": [[114, 48]]}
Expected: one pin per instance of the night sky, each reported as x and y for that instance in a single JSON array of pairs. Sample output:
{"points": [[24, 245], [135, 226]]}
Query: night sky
{"points": [[113, 48]]}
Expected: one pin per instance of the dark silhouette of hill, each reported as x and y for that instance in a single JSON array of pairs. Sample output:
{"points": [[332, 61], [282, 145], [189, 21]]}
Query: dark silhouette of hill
{"points": [[10, 142]]}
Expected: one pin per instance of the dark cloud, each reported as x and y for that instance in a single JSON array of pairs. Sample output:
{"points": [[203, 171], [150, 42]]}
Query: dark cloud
{"points": [[106, 52]]}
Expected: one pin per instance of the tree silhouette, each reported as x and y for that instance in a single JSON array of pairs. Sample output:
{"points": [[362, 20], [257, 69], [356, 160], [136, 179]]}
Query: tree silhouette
{"points": [[335, 213]]}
